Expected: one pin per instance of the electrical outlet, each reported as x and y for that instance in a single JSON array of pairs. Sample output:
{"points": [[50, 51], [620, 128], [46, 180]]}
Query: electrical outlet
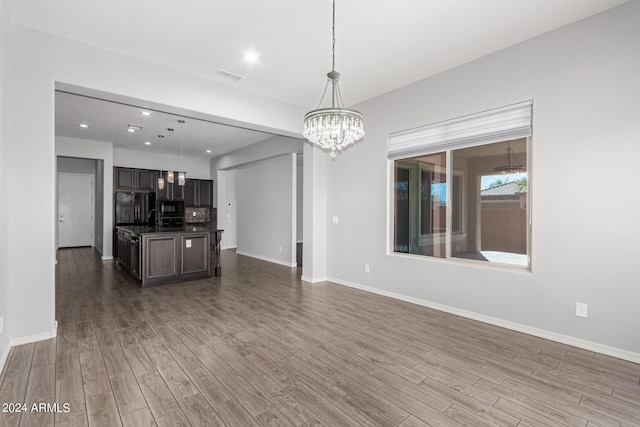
{"points": [[188, 243], [582, 309], [335, 219], [367, 269], [194, 213], [280, 248]]}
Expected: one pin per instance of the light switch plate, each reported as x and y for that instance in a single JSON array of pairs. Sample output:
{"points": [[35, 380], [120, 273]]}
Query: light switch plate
{"points": [[194, 213], [188, 243]]}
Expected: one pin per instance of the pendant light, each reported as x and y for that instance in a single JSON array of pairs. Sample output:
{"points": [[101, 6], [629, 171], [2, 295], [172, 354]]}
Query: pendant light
{"points": [[182, 176], [336, 127], [161, 177], [508, 167], [170, 171]]}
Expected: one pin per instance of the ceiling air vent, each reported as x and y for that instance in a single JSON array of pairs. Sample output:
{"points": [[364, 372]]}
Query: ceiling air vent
{"points": [[228, 75]]}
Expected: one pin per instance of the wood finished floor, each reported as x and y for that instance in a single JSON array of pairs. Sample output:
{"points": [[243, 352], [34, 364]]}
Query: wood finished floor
{"points": [[258, 348]]}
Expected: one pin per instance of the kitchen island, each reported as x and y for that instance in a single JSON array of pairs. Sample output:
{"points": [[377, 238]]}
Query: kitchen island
{"points": [[162, 255]]}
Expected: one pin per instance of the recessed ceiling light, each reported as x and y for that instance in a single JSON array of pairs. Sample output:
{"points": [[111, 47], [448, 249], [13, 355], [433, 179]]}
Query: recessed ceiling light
{"points": [[133, 128], [147, 143], [251, 57], [146, 113], [83, 125], [208, 151]]}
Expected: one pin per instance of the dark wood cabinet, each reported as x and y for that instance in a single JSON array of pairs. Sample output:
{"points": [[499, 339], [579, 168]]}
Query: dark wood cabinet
{"points": [[198, 193], [190, 190], [130, 179], [206, 193], [125, 179], [174, 257], [124, 249], [146, 179], [170, 191]]}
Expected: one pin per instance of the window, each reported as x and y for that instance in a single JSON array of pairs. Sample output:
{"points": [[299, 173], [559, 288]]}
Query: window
{"points": [[460, 188]]}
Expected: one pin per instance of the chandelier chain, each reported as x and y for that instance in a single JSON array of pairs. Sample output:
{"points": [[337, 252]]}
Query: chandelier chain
{"points": [[333, 32], [323, 93], [340, 101]]}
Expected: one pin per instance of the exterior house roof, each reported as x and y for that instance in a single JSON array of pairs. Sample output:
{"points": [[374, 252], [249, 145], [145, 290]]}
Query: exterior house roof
{"points": [[508, 190]]}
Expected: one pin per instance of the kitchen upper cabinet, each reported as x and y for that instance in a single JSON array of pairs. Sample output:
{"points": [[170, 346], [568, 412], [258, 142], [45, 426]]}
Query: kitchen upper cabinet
{"points": [[125, 179], [146, 179], [129, 179], [198, 193], [170, 191], [206, 193]]}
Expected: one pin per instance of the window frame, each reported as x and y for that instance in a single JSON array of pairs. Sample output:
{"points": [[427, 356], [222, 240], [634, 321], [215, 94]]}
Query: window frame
{"points": [[410, 140]]}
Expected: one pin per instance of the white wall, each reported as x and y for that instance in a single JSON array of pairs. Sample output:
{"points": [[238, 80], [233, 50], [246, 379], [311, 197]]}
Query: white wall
{"points": [[38, 61], [266, 192], [299, 194], [225, 188], [197, 168], [102, 153], [5, 178], [271, 147], [584, 80], [76, 165], [99, 208]]}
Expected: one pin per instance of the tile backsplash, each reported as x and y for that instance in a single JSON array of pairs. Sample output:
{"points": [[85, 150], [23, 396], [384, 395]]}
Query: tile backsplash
{"points": [[201, 215]]}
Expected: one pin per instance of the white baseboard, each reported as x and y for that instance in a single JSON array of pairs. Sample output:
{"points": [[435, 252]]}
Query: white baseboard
{"points": [[313, 279], [33, 338], [263, 258], [541, 333], [106, 258], [26, 340]]}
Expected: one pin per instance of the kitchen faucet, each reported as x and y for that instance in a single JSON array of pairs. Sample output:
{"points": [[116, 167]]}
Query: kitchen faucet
{"points": [[158, 217]]}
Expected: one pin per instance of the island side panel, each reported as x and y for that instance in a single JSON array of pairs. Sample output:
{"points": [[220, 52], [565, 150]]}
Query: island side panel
{"points": [[161, 259], [195, 255]]}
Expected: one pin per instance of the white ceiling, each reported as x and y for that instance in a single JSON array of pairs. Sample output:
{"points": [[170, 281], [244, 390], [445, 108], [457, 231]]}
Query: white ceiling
{"points": [[380, 46], [108, 121]]}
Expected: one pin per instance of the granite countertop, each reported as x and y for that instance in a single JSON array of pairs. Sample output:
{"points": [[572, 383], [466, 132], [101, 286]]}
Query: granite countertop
{"points": [[143, 229]]}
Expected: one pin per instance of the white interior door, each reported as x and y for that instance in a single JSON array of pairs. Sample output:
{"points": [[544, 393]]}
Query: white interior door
{"points": [[75, 210]]}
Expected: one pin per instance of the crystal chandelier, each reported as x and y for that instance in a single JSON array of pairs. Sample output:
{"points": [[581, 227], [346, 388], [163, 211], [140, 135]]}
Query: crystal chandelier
{"points": [[333, 128]]}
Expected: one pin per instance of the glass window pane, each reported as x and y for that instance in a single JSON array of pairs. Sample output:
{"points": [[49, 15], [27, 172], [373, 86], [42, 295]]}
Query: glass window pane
{"points": [[420, 192], [489, 212]]}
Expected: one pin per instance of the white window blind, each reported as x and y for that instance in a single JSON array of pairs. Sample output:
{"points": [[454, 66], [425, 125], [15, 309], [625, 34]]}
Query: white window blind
{"points": [[499, 124]]}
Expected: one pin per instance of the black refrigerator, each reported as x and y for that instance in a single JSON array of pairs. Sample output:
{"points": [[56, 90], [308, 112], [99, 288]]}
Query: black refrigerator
{"points": [[133, 208]]}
